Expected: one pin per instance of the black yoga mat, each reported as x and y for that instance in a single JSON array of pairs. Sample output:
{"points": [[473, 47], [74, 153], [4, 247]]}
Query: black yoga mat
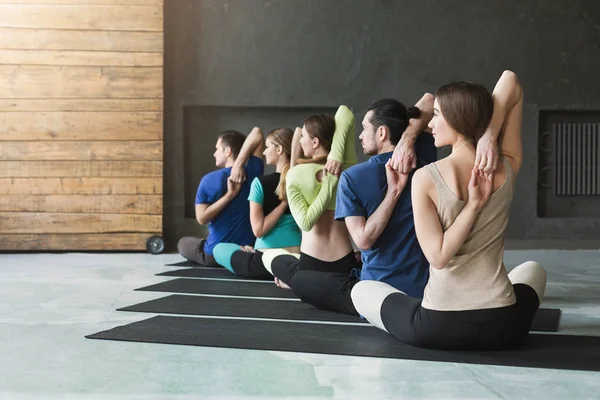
{"points": [[542, 351], [239, 307], [214, 287], [203, 273], [545, 319], [184, 263]]}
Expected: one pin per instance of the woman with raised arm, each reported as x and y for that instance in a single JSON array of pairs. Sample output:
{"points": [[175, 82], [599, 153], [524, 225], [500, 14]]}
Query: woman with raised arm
{"points": [[461, 214], [329, 145], [270, 216]]}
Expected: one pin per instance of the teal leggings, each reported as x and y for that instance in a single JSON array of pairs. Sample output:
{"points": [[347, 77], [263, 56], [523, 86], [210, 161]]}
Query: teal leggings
{"points": [[223, 252], [247, 264]]}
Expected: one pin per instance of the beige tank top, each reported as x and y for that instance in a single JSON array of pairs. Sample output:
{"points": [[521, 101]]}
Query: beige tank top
{"points": [[475, 278]]}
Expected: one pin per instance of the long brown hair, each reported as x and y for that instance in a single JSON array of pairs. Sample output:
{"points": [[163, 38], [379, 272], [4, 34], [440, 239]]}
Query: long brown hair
{"points": [[282, 137], [322, 127], [467, 107]]}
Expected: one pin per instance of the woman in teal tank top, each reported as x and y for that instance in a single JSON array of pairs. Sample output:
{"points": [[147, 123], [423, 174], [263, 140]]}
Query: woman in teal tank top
{"points": [[311, 190], [270, 216]]}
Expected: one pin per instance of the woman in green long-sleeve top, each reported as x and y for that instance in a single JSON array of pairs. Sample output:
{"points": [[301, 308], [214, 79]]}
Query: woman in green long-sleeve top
{"points": [[328, 145]]}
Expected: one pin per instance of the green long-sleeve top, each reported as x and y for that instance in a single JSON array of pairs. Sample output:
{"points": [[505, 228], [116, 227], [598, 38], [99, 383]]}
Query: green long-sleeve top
{"points": [[309, 198]]}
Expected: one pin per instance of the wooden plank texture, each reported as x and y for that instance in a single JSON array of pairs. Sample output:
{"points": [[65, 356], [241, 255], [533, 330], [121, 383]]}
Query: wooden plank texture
{"points": [[37, 242], [74, 169], [75, 151], [41, 126], [26, 82], [54, 39], [82, 17], [32, 222], [80, 186], [88, 2], [80, 58], [126, 150], [81, 124], [70, 105], [114, 204]]}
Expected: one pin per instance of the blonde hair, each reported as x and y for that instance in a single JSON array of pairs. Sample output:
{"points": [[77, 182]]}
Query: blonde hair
{"points": [[282, 137]]}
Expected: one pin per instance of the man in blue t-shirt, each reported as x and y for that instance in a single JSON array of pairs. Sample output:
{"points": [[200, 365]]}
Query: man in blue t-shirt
{"points": [[375, 202], [221, 197]]}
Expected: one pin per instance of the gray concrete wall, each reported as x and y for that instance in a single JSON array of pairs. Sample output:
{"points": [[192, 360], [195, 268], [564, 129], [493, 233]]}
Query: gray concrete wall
{"points": [[320, 53]]}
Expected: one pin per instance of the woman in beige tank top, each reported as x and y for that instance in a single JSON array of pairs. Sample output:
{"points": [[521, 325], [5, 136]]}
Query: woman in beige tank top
{"points": [[461, 205]]}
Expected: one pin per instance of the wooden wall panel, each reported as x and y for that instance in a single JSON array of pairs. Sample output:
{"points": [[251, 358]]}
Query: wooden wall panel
{"points": [[88, 58], [79, 186], [96, 105], [88, 2], [79, 241], [81, 127], [81, 17], [37, 222], [56, 126], [129, 204], [54, 39], [27, 82], [73, 169], [72, 151]]}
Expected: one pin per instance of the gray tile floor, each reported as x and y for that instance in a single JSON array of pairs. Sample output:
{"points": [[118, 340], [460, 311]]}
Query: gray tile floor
{"points": [[48, 302]]}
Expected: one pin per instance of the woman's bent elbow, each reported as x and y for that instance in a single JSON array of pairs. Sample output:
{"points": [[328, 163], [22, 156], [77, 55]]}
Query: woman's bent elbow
{"points": [[363, 244], [258, 233], [437, 263]]}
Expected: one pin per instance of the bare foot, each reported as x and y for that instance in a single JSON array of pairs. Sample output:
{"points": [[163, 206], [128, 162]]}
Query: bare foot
{"points": [[281, 284]]}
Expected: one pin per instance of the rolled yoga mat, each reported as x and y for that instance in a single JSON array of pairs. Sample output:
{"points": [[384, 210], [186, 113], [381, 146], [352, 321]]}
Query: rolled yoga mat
{"points": [[541, 351]]}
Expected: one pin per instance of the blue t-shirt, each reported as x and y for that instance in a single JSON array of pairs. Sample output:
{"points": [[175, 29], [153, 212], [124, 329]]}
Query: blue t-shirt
{"points": [[232, 225], [286, 232], [396, 257]]}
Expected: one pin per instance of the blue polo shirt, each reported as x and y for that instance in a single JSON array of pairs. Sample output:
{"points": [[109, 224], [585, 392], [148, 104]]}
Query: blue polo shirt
{"points": [[232, 225], [396, 257]]}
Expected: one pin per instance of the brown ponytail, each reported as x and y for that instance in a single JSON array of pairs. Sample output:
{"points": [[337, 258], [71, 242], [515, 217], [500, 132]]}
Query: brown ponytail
{"points": [[322, 127]]}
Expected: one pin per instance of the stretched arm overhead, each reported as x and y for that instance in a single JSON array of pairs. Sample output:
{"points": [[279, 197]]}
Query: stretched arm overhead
{"points": [[343, 149], [305, 214], [507, 118], [418, 125], [504, 130], [404, 158], [296, 151], [253, 146]]}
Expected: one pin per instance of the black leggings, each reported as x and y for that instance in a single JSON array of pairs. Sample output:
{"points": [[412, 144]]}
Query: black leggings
{"points": [[488, 329], [249, 265], [325, 285]]}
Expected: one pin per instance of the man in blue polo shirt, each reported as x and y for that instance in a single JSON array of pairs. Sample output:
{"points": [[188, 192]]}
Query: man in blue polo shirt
{"points": [[375, 202], [221, 199]]}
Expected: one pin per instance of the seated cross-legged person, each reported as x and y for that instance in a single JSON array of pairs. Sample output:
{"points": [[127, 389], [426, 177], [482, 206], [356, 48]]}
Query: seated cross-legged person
{"points": [[374, 202], [270, 216], [221, 203], [311, 191], [461, 214]]}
